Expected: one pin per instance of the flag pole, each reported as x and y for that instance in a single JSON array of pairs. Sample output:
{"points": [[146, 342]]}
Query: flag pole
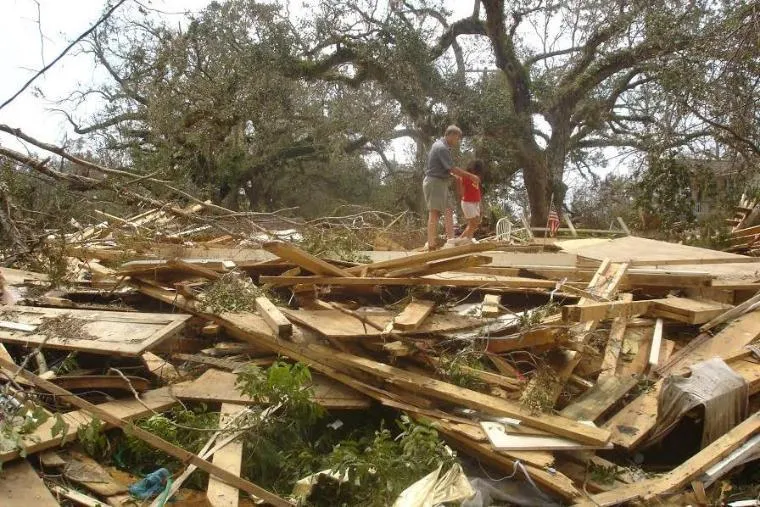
{"points": [[546, 229]]}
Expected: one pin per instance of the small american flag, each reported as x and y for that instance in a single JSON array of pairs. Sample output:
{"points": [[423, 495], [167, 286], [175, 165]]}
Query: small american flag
{"points": [[553, 222]]}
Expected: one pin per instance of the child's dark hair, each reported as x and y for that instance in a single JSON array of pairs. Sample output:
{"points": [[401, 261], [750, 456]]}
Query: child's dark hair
{"points": [[476, 166]]}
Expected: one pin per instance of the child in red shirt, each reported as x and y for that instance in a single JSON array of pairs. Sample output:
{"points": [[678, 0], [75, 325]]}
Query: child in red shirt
{"points": [[469, 189]]}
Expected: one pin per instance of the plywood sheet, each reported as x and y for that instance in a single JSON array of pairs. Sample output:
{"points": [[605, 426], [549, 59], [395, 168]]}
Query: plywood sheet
{"points": [[219, 386], [335, 324], [98, 332], [634, 249]]}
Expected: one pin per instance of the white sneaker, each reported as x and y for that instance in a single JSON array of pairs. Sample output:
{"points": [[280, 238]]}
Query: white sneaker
{"points": [[450, 243]]}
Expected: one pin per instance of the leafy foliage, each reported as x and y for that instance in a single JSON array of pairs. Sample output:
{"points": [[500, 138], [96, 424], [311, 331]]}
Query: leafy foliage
{"points": [[93, 440], [230, 293]]}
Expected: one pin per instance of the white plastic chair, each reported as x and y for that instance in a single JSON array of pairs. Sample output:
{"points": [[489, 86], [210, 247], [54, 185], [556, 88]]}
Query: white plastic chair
{"points": [[503, 230]]}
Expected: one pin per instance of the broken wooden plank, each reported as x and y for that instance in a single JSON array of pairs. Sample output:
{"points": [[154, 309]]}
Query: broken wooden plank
{"points": [[51, 459], [689, 311], [75, 496], [732, 313], [595, 402], [161, 368], [42, 438], [154, 441], [300, 257], [431, 268], [636, 420], [97, 332], [220, 386], [654, 349], [682, 475], [336, 324], [453, 279], [604, 311], [230, 458], [20, 486], [97, 382], [274, 317], [413, 315], [614, 343], [422, 258]]}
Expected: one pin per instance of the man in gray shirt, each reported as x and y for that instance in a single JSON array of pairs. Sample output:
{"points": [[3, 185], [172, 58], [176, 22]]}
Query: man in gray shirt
{"points": [[437, 185]]}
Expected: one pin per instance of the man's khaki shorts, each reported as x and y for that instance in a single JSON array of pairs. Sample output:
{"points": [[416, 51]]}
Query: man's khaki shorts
{"points": [[437, 193]]}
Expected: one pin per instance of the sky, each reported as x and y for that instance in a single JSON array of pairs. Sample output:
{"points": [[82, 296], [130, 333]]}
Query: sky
{"points": [[34, 32]]}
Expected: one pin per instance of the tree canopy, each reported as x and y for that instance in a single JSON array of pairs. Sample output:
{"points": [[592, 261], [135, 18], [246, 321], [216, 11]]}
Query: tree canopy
{"points": [[302, 109]]}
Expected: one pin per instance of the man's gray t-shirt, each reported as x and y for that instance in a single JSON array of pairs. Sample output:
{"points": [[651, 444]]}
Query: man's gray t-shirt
{"points": [[439, 161]]}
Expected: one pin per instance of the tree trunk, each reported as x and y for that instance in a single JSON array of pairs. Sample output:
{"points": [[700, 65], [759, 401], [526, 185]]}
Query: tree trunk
{"points": [[537, 184]]}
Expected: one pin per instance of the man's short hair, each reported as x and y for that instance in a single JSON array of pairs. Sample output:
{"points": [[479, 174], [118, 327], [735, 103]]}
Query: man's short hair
{"points": [[453, 129]]}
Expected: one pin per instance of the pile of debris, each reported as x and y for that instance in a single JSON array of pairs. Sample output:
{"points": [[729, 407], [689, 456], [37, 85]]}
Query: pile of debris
{"points": [[564, 367]]}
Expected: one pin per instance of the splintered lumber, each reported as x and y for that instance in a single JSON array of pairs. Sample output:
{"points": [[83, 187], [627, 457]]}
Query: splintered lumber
{"points": [[459, 395], [451, 278], [42, 439], [219, 386], [248, 327], [689, 311], [654, 348], [75, 496], [422, 258], [604, 284], [433, 267], [20, 486], [97, 332], [334, 323], [413, 315], [160, 368], [152, 440], [230, 458], [636, 420], [491, 306], [603, 311], [223, 364], [274, 317], [97, 382], [296, 255], [614, 343], [595, 402], [682, 475], [732, 313]]}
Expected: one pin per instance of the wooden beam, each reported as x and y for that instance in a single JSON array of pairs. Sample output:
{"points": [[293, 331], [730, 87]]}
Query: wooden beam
{"points": [[229, 458], [686, 310], [160, 368], [635, 421], [413, 314], [732, 313], [42, 438], [151, 439], [304, 259], [604, 311], [422, 258], [274, 318], [682, 475], [654, 350], [431, 268], [614, 343], [452, 279], [595, 402]]}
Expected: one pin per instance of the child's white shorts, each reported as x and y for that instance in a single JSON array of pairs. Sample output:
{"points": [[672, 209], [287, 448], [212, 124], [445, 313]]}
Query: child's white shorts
{"points": [[470, 209]]}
